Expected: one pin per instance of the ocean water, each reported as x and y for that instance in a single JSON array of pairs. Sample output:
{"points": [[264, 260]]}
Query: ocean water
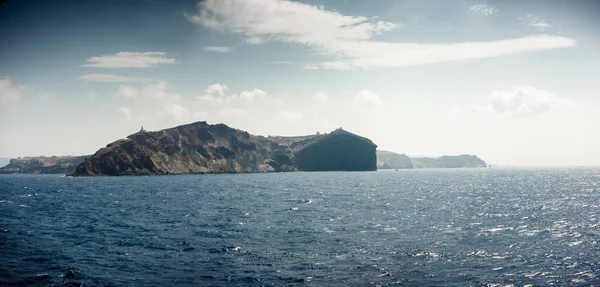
{"points": [[463, 227]]}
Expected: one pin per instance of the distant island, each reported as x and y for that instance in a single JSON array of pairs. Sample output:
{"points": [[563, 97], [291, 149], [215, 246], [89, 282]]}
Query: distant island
{"points": [[392, 160], [43, 165], [204, 148]]}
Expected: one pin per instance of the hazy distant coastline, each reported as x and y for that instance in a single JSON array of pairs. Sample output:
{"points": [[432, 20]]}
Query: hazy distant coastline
{"points": [[203, 148], [392, 160]]}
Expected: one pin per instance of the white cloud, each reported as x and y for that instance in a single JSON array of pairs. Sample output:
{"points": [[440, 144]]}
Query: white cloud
{"points": [[280, 62], [285, 20], [524, 102], [254, 94], [218, 89], [130, 60], [348, 38], [219, 49], [159, 91], [535, 21], [181, 114], [8, 92], [127, 92], [255, 41], [369, 99], [153, 92], [110, 78], [336, 65], [482, 9], [156, 102], [321, 97], [125, 113], [292, 117], [216, 94], [310, 67]]}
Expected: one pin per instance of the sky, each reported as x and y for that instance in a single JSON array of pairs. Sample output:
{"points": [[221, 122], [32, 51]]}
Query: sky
{"points": [[514, 82]]}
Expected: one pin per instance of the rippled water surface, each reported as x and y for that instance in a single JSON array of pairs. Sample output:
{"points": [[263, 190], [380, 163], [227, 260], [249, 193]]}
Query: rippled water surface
{"points": [[467, 227]]}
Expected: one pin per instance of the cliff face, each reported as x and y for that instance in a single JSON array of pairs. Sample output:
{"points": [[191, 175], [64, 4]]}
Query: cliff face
{"points": [[204, 148], [339, 150], [43, 165], [389, 160]]}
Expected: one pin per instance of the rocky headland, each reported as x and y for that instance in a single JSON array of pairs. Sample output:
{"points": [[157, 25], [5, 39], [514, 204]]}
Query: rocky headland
{"points": [[203, 148]]}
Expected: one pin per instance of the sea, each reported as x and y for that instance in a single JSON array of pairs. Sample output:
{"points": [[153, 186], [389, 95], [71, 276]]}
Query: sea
{"points": [[430, 227]]}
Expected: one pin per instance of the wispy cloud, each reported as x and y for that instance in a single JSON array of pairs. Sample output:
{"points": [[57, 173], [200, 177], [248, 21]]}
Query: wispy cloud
{"points": [[535, 21], [524, 101], [280, 62], [368, 99], [127, 92], [153, 92], [336, 65], [130, 60], [310, 67], [156, 101], [110, 78], [125, 113], [159, 91], [252, 95], [217, 94], [347, 39], [482, 9], [219, 49], [255, 41], [180, 113], [9, 93]]}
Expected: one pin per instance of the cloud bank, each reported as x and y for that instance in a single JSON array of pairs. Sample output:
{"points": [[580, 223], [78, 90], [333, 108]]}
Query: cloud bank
{"points": [[9, 93], [348, 39], [110, 78], [130, 60]]}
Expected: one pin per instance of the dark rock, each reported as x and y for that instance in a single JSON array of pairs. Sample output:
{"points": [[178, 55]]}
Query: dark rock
{"points": [[339, 150]]}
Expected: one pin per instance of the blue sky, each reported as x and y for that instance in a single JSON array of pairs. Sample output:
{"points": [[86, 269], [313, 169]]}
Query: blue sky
{"points": [[511, 82]]}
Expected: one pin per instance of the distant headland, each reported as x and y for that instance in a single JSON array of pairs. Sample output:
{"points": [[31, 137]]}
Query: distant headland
{"points": [[392, 160], [43, 165], [204, 148]]}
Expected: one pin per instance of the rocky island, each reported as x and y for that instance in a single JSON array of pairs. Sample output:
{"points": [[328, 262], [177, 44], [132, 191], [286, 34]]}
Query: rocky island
{"points": [[43, 165], [392, 160], [203, 148]]}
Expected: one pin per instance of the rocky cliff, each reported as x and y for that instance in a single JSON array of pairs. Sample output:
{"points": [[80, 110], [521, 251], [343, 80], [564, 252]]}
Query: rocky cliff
{"points": [[43, 165], [391, 160], [203, 148]]}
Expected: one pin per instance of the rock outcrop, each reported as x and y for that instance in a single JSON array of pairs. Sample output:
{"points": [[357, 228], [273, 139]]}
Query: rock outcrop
{"points": [[43, 165], [391, 160], [203, 148], [339, 150]]}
